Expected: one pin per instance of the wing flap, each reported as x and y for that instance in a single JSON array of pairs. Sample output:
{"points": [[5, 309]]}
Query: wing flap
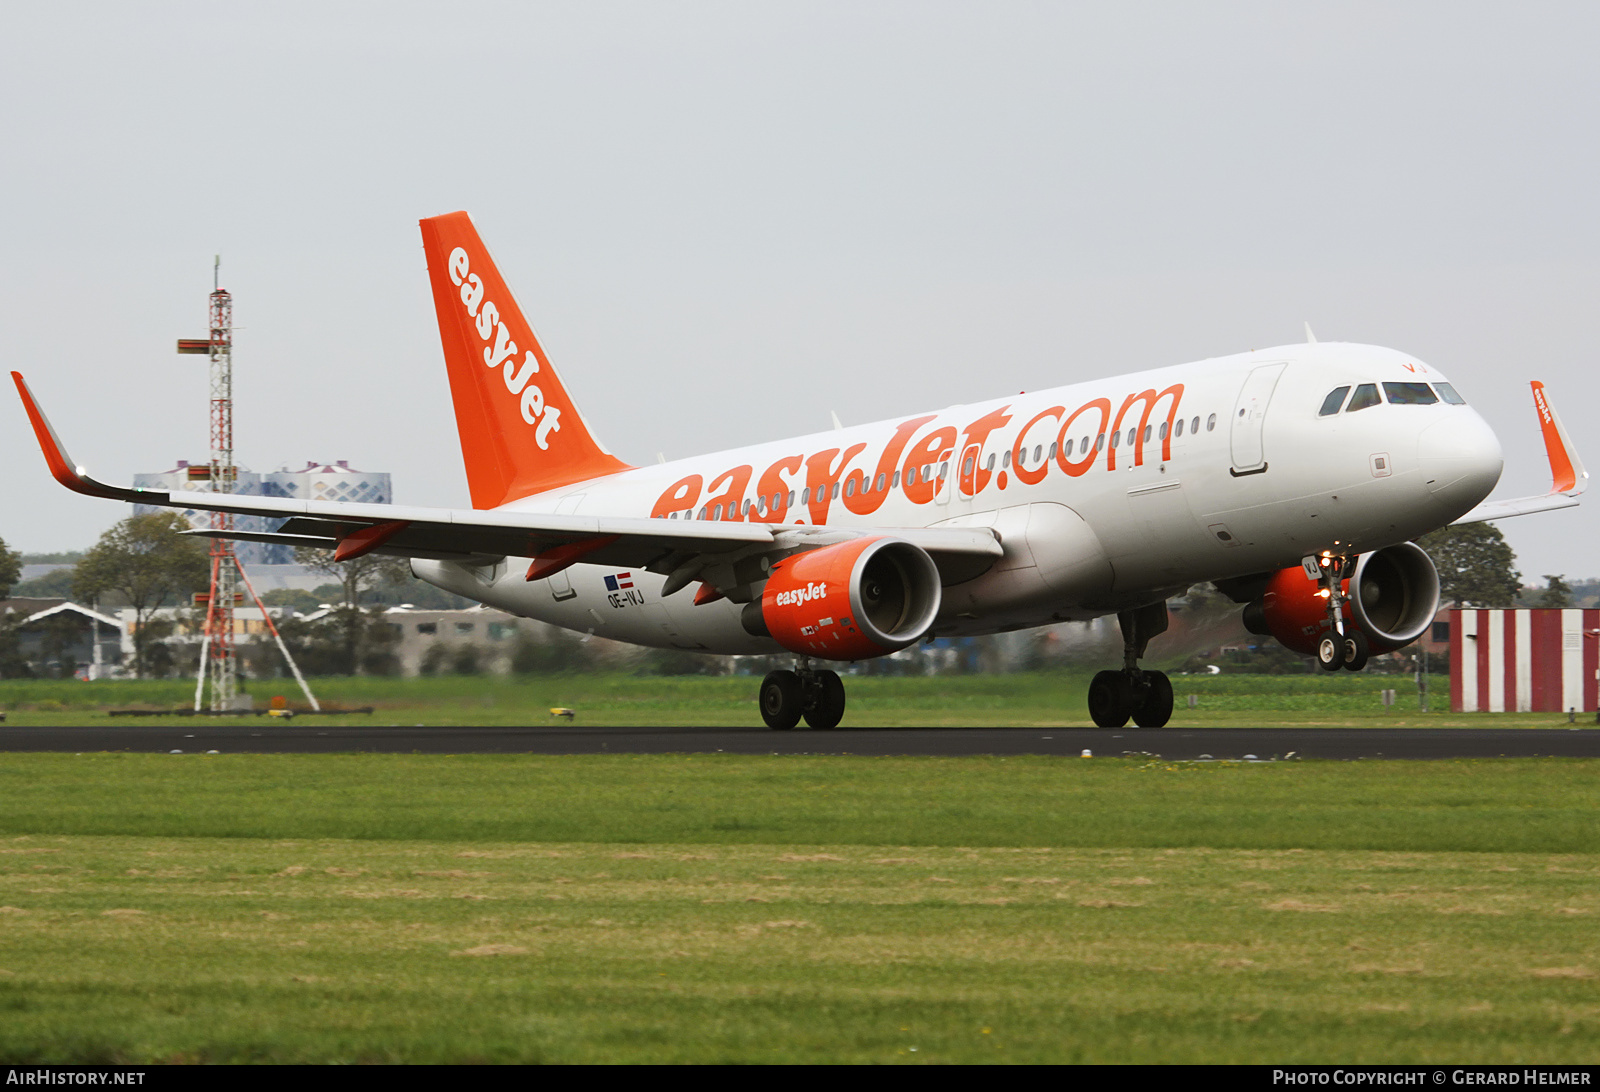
{"points": [[638, 543], [329, 544], [315, 542]]}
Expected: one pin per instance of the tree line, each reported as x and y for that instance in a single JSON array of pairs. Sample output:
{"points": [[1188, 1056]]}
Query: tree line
{"points": [[146, 562]]}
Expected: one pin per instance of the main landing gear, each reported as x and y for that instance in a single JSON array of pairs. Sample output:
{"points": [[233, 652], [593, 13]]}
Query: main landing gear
{"points": [[1344, 645], [1143, 696], [786, 696]]}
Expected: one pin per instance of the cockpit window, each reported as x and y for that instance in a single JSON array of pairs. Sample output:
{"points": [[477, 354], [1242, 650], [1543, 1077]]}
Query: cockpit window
{"points": [[1366, 395], [1410, 394], [1335, 399], [1448, 393]]}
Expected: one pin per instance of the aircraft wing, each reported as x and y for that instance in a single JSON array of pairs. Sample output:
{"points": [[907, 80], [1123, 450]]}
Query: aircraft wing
{"points": [[1517, 506], [1568, 478], [475, 535]]}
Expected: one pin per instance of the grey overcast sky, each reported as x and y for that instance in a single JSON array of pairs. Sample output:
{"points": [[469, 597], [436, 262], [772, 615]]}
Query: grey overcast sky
{"points": [[727, 218]]}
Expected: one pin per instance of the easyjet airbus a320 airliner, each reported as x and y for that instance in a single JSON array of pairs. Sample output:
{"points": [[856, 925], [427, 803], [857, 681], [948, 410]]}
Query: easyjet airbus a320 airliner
{"points": [[1294, 479]]}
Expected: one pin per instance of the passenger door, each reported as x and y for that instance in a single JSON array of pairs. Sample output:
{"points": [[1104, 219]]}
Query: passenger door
{"points": [[1249, 417]]}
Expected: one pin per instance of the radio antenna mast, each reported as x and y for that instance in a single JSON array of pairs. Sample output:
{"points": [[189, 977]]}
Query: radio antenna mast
{"points": [[219, 663]]}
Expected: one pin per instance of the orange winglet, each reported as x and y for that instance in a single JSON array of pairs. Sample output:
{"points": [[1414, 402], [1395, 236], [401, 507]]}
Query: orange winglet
{"points": [[1563, 473], [706, 594], [61, 465], [364, 540], [553, 561]]}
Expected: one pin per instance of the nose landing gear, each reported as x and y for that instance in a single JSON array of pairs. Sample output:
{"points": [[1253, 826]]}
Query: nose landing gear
{"points": [[786, 696], [1143, 696], [1344, 645]]}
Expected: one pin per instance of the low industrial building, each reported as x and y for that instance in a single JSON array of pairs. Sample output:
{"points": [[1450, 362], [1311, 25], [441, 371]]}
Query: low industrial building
{"points": [[476, 640], [57, 638]]}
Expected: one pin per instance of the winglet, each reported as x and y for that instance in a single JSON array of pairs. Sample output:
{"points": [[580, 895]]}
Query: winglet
{"points": [[1567, 474], [1568, 478], [62, 468]]}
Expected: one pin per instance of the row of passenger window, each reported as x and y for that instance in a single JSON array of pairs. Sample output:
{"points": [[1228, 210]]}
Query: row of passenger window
{"points": [[760, 506], [931, 472], [1398, 394]]}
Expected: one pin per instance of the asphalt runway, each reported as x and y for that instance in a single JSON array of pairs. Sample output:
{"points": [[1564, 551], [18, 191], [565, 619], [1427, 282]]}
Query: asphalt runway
{"points": [[1170, 743]]}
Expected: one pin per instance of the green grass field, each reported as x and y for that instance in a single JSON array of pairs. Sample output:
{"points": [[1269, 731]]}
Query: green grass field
{"points": [[1035, 699], [376, 908]]}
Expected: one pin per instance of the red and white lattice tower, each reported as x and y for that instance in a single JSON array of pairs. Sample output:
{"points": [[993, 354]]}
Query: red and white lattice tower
{"points": [[223, 668], [219, 664]]}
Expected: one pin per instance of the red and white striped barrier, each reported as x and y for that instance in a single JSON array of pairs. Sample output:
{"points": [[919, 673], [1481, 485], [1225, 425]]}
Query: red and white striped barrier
{"points": [[1522, 661]]}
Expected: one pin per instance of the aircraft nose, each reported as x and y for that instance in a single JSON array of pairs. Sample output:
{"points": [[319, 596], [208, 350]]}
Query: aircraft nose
{"points": [[1460, 459]]}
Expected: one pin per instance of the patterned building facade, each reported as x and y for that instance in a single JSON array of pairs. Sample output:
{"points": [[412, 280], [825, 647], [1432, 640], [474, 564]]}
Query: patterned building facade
{"points": [[315, 481]]}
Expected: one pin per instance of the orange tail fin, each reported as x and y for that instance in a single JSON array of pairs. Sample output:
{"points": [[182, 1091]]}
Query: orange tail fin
{"points": [[520, 431]]}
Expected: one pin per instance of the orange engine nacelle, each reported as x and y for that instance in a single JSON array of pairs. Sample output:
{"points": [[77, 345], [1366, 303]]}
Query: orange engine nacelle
{"points": [[1396, 596], [851, 601]]}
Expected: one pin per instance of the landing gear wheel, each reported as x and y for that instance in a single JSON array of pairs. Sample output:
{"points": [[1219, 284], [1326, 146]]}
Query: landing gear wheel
{"points": [[1154, 706], [1110, 699], [827, 708], [1330, 652], [781, 698], [1356, 650]]}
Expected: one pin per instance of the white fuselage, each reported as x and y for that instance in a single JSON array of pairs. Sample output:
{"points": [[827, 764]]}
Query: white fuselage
{"points": [[1261, 482]]}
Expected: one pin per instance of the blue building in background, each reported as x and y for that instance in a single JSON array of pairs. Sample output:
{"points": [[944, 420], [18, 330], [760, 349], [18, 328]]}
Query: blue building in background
{"points": [[315, 481]]}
